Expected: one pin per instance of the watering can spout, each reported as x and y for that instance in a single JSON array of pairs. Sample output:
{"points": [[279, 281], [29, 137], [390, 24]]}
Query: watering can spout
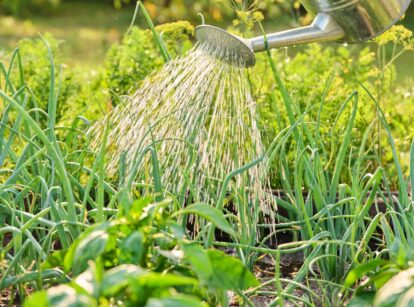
{"points": [[350, 21], [324, 28]]}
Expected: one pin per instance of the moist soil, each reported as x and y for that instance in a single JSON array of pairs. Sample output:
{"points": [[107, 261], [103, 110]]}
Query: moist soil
{"points": [[6, 295], [264, 271]]}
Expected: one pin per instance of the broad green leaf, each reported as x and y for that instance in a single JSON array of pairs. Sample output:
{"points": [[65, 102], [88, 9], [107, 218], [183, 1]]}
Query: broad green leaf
{"points": [[229, 272], [137, 208], [363, 299], [62, 295], [174, 256], [88, 246], [54, 260], [390, 292], [360, 272], [86, 281], [118, 278], [133, 249], [156, 280], [383, 276], [66, 296], [176, 229], [218, 270], [89, 249], [176, 301], [39, 299], [199, 261], [407, 299], [211, 214]]}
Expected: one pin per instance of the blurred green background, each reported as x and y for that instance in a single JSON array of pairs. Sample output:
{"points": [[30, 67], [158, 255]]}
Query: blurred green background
{"points": [[88, 28]]}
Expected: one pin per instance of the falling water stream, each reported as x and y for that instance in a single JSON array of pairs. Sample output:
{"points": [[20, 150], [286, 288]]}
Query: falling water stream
{"points": [[199, 112]]}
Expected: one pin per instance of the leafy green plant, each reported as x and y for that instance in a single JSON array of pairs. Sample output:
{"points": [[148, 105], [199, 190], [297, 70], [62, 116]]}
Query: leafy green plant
{"points": [[89, 100], [143, 258], [35, 58], [387, 282], [130, 62]]}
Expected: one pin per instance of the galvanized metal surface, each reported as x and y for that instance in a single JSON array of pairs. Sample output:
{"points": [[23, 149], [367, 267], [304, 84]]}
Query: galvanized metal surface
{"points": [[230, 45], [349, 21], [360, 19], [324, 28]]}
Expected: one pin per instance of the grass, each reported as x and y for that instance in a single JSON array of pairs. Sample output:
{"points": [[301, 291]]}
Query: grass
{"points": [[67, 223]]}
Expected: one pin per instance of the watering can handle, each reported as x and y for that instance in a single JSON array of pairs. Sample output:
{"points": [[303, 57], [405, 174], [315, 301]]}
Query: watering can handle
{"points": [[324, 28]]}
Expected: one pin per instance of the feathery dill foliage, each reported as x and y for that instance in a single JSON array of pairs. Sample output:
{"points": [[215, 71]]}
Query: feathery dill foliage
{"points": [[199, 117], [247, 12], [244, 5]]}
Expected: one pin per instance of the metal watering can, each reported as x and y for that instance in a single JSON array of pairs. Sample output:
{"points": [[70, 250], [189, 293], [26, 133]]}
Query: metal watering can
{"points": [[350, 21]]}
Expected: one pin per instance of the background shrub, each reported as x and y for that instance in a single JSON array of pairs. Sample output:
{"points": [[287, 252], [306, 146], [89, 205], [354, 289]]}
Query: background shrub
{"points": [[22, 8], [91, 93], [131, 61], [36, 68], [90, 100]]}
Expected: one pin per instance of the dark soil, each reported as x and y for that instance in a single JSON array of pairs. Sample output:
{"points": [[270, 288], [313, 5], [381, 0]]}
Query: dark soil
{"points": [[9, 297]]}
